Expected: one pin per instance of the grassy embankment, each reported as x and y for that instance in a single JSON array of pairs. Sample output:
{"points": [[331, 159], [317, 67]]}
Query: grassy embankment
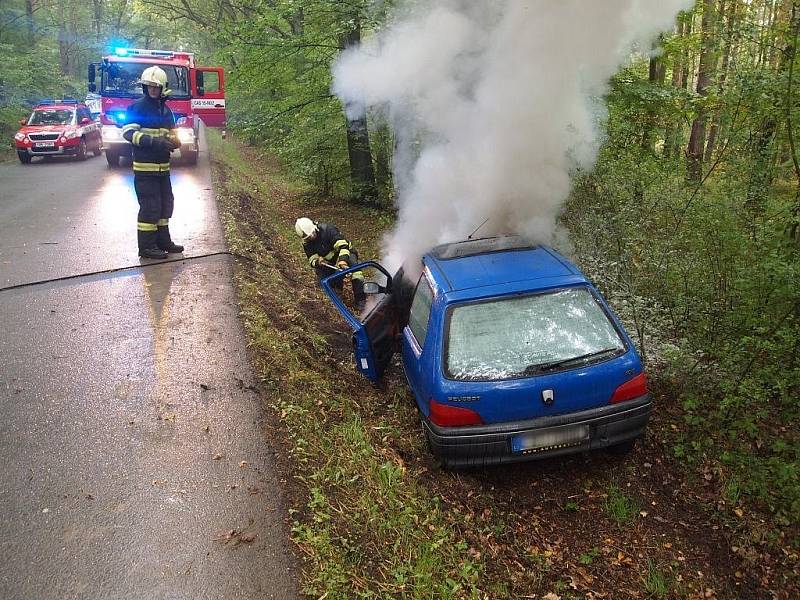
{"points": [[364, 524]]}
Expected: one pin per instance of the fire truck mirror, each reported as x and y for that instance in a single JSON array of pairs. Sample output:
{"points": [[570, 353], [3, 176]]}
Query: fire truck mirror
{"points": [[199, 81], [91, 74]]}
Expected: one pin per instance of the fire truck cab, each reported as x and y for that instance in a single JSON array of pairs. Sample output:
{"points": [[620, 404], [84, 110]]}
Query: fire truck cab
{"points": [[197, 94]]}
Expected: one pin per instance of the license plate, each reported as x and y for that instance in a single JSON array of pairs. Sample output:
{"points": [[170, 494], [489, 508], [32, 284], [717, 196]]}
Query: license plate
{"points": [[44, 144], [536, 441]]}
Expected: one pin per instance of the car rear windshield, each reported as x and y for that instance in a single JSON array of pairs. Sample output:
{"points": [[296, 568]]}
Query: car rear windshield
{"points": [[517, 336], [51, 116]]}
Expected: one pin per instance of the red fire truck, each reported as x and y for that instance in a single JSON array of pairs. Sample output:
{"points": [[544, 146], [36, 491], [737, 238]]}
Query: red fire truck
{"points": [[198, 93]]}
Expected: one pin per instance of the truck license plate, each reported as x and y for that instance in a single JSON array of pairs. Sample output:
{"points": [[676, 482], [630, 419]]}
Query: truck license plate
{"points": [[45, 144]]}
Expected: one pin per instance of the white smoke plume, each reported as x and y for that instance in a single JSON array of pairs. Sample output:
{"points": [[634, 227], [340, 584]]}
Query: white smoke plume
{"points": [[493, 105]]}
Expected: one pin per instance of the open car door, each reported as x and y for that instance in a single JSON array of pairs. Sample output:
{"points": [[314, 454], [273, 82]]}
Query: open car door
{"points": [[375, 331]]}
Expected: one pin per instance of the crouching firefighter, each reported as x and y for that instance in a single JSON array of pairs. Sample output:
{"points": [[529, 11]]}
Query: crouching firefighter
{"points": [[327, 251], [150, 128]]}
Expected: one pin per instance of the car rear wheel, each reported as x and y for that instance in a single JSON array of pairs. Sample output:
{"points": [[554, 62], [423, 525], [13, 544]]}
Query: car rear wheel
{"points": [[82, 150], [190, 157], [24, 158], [98, 149], [112, 158]]}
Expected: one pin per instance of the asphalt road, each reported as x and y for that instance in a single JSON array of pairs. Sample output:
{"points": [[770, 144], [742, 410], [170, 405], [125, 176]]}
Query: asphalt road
{"points": [[133, 458]]}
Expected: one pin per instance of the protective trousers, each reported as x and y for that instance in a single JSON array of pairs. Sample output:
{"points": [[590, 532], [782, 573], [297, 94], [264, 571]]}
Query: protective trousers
{"points": [[357, 280], [156, 202]]}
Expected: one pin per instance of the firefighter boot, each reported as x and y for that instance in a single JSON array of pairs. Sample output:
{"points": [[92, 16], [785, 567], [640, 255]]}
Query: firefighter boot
{"points": [[165, 241], [359, 296], [148, 247]]}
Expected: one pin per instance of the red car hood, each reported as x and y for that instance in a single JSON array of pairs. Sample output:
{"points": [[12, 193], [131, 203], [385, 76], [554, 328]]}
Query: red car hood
{"points": [[45, 128]]}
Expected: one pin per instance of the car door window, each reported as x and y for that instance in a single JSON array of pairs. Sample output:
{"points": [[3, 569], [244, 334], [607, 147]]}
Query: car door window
{"points": [[210, 82], [420, 311]]}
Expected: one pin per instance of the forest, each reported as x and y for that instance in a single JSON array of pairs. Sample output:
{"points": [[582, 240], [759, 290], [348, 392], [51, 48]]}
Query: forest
{"points": [[687, 218]]}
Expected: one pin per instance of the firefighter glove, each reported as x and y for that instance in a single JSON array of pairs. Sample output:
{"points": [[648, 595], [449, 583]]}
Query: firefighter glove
{"points": [[342, 264], [320, 262], [173, 140], [162, 143]]}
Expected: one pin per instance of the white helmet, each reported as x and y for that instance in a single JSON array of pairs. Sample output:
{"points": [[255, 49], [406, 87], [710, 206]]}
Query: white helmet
{"points": [[305, 227], [154, 76]]}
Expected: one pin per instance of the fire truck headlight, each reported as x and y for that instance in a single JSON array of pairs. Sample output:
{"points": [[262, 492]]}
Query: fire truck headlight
{"points": [[186, 136], [111, 134]]}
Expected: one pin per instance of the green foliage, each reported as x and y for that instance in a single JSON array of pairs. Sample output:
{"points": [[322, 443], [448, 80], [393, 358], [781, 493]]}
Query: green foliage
{"points": [[27, 77], [655, 582], [619, 506], [706, 276], [587, 558]]}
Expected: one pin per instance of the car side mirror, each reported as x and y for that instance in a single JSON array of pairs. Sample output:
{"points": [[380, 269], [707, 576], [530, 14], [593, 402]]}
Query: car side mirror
{"points": [[370, 287], [198, 81], [23, 121], [85, 121]]}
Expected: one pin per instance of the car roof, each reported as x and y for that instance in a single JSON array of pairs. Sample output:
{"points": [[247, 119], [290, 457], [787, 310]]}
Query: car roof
{"points": [[499, 265], [69, 106]]}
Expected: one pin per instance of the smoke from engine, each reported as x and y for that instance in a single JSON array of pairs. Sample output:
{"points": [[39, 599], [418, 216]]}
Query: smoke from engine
{"points": [[492, 105]]}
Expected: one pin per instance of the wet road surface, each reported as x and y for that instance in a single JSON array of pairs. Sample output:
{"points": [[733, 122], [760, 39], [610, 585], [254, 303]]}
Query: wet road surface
{"points": [[133, 461]]}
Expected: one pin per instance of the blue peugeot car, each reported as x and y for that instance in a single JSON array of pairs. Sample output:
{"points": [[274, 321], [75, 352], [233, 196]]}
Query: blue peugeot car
{"points": [[511, 352]]}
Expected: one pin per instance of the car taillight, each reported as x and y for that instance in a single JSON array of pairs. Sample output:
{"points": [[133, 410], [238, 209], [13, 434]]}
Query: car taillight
{"points": [[630, 389], [445, 415]]}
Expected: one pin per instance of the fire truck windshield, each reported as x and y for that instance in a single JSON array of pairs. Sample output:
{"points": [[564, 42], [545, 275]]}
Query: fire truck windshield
{"points": [[121, 79]]}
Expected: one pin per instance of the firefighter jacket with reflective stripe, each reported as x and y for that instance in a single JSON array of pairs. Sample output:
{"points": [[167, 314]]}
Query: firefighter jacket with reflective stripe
{"points": [[146, 119], [329, 244]]}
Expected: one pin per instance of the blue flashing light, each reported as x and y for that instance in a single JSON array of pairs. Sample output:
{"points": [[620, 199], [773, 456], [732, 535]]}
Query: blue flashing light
{"points": [[121, 51], [119, 117]]}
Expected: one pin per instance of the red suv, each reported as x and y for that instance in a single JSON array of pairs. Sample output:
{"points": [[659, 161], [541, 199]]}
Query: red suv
{"points": [[58, 128]]}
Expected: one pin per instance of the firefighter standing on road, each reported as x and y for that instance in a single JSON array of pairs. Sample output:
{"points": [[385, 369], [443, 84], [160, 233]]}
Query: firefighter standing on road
{"points": [[150, 127], [327, 250]]}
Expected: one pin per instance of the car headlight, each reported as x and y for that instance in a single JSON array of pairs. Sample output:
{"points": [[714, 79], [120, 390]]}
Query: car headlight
{"points": [[185, 135], [71, 135], [19, 136]]}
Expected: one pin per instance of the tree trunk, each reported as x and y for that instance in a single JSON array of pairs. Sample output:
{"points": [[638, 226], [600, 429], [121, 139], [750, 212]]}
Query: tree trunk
{"points": [[362, 174], [687, 57], [383, 174], [97, 5], [672, 132], [790, 56], [696, 147], [723, 71], [29, 22], [297, 21], [656, 77]]}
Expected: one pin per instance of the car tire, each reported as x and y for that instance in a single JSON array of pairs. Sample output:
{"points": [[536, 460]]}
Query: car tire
{"points": [[190, 157], [112, 158], [81, 154], [98, 149], [622, 449], [24, 158]]}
